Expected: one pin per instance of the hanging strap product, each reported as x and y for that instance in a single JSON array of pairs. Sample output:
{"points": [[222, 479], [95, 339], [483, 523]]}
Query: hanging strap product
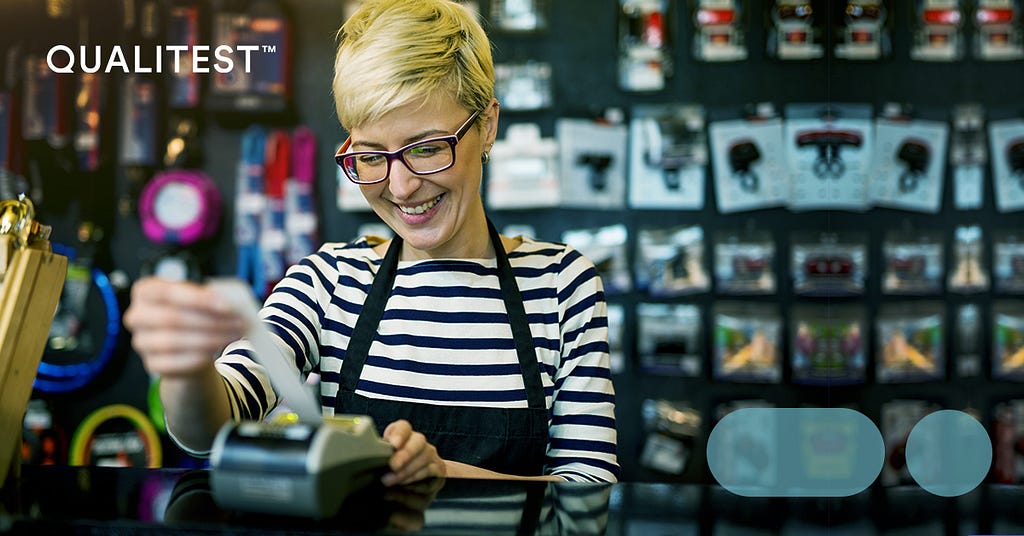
{"points": [[249, 204], [272, 227], [300, 221]]}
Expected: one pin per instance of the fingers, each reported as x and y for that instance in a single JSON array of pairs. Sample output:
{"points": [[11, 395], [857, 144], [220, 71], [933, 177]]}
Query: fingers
{"points": [[414, 459], [178, 327]]}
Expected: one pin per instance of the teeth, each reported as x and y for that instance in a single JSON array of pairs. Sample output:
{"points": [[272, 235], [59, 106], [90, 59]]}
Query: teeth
{"points": [[420, 209]]}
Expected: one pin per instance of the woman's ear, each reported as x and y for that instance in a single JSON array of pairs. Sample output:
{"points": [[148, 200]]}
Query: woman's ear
{"points": [[491, 123]]}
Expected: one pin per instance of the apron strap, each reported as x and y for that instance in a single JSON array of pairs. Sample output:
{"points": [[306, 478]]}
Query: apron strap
{"points": [[373, 310], [517, 321], [369, 318]]}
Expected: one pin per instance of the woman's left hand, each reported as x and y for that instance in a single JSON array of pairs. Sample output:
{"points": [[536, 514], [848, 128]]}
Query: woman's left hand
{"points": [[414, 458]]}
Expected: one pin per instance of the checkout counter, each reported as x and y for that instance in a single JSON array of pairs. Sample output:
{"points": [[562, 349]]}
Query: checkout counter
{"points": [[102, 500]]}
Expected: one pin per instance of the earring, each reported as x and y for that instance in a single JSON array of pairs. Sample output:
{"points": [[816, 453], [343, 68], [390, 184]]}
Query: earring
{"points": [[485, 157]]}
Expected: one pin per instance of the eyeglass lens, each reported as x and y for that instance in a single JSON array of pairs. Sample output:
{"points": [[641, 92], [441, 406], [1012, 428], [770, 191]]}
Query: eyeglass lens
{"points": [[429, 156]]}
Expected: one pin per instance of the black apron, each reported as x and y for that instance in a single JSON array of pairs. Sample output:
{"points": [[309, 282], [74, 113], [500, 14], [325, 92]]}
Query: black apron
{"points": [[506, 440]]}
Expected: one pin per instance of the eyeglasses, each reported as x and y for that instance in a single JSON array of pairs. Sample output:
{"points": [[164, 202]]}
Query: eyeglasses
{"points": [[423, 157]]}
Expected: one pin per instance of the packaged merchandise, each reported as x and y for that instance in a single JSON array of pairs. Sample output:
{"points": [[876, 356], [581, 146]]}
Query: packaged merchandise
{"points": [[910, 344], [669, 339], [670, 262], [746, 343]]}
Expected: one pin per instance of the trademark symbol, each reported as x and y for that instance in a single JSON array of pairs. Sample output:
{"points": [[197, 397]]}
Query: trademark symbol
{"points": [[270, 48]]}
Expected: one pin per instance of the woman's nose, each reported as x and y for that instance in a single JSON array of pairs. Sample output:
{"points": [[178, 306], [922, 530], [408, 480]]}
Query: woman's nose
{"points": [[402, 182]]}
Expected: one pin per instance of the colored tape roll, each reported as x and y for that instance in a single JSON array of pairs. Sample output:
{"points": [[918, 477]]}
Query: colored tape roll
{"points": [[180, 207], [86, 450]]}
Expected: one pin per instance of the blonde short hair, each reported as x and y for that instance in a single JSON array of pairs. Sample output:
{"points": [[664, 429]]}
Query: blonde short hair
{"points": [[395, 52]]}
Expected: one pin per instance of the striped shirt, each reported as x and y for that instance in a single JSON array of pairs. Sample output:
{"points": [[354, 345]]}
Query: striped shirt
{"points": [[445, 339]]}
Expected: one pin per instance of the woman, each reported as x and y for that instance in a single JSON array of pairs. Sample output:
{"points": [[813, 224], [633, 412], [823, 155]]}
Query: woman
{"points": [[479, 355]]}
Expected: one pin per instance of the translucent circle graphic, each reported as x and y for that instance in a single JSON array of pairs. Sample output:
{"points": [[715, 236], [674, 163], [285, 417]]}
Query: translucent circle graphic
{"points": [[948, 453]]}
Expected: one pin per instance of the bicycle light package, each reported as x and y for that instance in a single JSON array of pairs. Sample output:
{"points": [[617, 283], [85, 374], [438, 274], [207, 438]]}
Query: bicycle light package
{"points": [[1007, 151], [668, 157], [592, 160], [744, 262], [669, 341], [998, 35], [913, 262], [794, 33], [829, 264], [937, 32], [671, 262], [748, 159], [910, 164], [644, 45], [829, 148], [719, 30], [523, 172], [864, 34]]}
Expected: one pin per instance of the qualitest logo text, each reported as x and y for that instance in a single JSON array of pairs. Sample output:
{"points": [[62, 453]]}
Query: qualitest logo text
{"points": [[154, 59]]}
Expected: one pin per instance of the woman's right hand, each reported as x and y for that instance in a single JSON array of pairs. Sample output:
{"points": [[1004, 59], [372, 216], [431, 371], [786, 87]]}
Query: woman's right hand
{"points": [[178, 327]]}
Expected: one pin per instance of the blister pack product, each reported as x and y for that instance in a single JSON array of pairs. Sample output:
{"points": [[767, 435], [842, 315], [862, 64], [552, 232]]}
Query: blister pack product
{"points": [[746, 343], [829, 264], [1008, 261], [719, 30], [671, 262], [937, 31], [592, 163], [523, 171], [909, 164], [671, 428], [669, 339], [749, 162], [1006, 138], [606, 248], [1007, 442], [898, 419], [795, 31], [668, 157], [1008, 340], [968, 154], [744, 262], [968, 273], [913, 262], [997, 30], [828, 344], [520, 16], [829, 150], [864, 33], [522, 87], [644, 46], [910, 343]]}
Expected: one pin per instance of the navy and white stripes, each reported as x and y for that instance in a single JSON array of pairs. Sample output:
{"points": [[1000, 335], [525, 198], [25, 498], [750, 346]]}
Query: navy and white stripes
{"points": [[445, 339]]}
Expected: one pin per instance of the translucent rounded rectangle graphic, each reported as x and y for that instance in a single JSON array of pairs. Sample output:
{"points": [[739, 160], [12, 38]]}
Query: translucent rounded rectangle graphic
{"points": [[795, 452]]}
